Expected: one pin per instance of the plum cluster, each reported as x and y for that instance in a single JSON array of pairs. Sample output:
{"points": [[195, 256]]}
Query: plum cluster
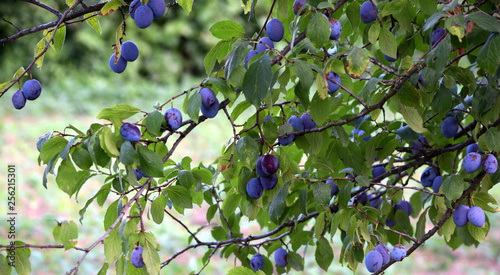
{"points": [[266, 168], [464, 214], [257, 261], [304, 122], [472, 162], [31, 91], [129, 52], [132, 133], [143, 15], [380, 256]]}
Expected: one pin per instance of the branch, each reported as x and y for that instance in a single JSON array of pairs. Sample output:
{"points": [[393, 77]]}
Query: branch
{"points": [[43, 6]]}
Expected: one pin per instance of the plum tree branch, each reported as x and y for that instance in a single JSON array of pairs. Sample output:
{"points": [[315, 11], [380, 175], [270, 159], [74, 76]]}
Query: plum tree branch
{"points": [[44, 6]]}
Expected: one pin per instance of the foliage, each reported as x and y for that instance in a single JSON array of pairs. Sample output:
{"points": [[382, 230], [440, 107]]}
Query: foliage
{"points": [[385, 106]]}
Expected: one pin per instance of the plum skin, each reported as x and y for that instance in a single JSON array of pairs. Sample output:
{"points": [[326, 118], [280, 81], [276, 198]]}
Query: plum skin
{"points": [[476, 216], [296, 123], [143, 16], [275, 30], [265, 44], [133, 5], [421, 143], [254, 188], [368, 12], [428, 176], [257, 262], [332, 87], [390, 59], [336, 29], [460, 215], [437, 35], [32, 89], [449, 127], [471, 162], [436, 183], [384, 251], [120, 65], [378, 171], [307, 121], [373, 261], [297, 5], [209, 103], [130, 132], [490, 164], [18, 100], [173, 118], [269, 182], [280, 257], [249, 56], [474, 148], [136, 257], [158, 7], [405, 206], [129, 51], [398, 252], [335, 188], [270, 164]]}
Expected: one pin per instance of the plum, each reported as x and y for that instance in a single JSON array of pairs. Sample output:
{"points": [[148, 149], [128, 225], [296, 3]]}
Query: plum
{"points": [[257, 262], [490, 164], [476, 216], [472, 162], [18, 100], [254, 188], [374, 201], [119, 66], [249, 56], [264, 44], [385, 252], [332, 87], [173, 118], [438, 36], [368, 12], [436, 183], [268, 117], [280, 257], [390, 223], [390, 59], [405, 206], [460, 215], [285, 140], [449, 127], [129, 51], [474, 148], [208, 98], [158, 7], [130, 132], [269, 182], [210, 112], [143, 16], [335, 188], [378, 171], [297, 5], [398, 252], [133, 5], [421, 143], [32, 89], [296, 123], [428, 176], [307, 121], [275, 30], [136, 257], [270, 164], [258, 167], [139, 173], [336, 29], [421, 80], [362, 198], [373, 261]]}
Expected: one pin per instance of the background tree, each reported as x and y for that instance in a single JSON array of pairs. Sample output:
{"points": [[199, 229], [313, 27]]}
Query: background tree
{"points": [[414, 83]]}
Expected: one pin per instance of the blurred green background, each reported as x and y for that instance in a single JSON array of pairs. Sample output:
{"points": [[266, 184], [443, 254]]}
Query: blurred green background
{"points": [[77, 83]]}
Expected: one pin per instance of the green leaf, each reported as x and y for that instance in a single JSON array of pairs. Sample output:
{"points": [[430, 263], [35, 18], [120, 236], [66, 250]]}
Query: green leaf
{"points": [[158, 208], [235, 60], [318, 30], [68, 234], [120, 111], [322, 85], [187, 5], [295, 261], [321, 193], [453, 186], [154, 121], [304, 72], [96, 152], [65, 150], [151, 163], [221, 48], [180, 196], [323, 253], [392, 8], [277, 206], [352, 157], [93, 22], [406, 133], [108, 144], [492, 138], [488, 57], [413, 118], [5, 268], [230, 204], [150, 255], [227, 30], [52, 147], [223, 87], [433, 20], [59, 38], [67, 177], [38, 50], [374, 33], [357, 62], [484, 99], [257, 80], [388, 44], [478, 233], [128, 154], [104, 269], [320, 109], [110, 7], [186, 178], [240, 270], [247, 151], [485, 21], [21, 259]]}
